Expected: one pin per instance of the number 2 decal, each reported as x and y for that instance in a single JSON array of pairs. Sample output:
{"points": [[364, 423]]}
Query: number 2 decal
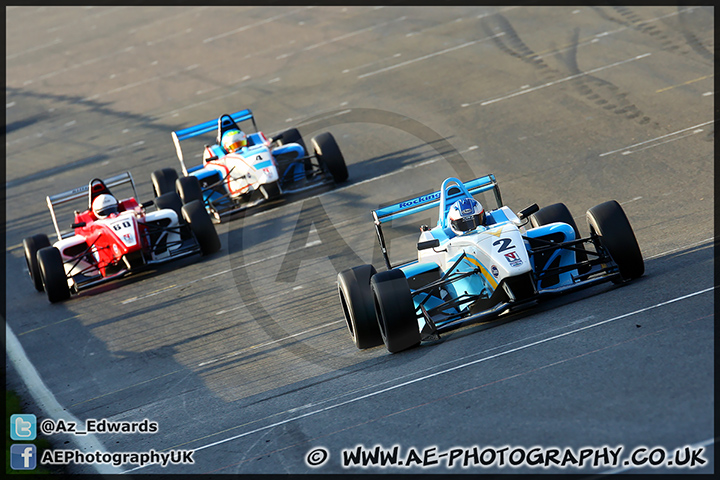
{"points": [[504, 244]]}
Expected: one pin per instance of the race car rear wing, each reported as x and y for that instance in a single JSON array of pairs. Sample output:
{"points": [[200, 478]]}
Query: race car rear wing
{"points": [[205, 127], [451, 190], [80, 192]]}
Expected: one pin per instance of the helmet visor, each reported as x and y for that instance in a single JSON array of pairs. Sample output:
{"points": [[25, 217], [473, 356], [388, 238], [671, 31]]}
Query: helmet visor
{"points": [[465, 224], [236, 145]]}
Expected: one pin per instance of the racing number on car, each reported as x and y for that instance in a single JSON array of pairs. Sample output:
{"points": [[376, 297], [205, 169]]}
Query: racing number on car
{"points": [[504, 244], [120, 226]]}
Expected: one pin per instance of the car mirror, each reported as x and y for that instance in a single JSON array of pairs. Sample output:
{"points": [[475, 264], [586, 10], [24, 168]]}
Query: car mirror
{"points": [[527, 211], [78, 225], [147, 204], [428, 244]]}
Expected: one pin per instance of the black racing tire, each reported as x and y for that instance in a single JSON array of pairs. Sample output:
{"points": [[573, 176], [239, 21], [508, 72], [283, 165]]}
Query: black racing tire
{"points": [[270, 191], [189, 189], [170, 200], [291, 135], [52, 272], [202, 227], [358, 306], [609, 222], [558, 212], [163, 181], [329, 154], [395, 310], [31, 245]]}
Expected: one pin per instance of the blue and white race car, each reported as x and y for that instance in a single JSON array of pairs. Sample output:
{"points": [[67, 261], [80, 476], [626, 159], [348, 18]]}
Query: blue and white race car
{"points": [[249, 168], [477, 264]]}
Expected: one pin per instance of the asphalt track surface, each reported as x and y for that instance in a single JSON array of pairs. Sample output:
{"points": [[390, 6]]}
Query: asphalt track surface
{"points": [[243, 356]]}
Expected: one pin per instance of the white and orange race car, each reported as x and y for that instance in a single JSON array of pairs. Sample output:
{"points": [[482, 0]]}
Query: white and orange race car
{"points": [[263, 169]]}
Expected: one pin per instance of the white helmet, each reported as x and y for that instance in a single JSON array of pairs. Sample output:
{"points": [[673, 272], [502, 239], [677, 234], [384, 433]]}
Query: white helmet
{"points": [[104, 205], [466, 214], [233, 140]]}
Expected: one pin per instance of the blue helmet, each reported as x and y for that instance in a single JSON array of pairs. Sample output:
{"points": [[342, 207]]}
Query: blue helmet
{"points": [[466, 214]]}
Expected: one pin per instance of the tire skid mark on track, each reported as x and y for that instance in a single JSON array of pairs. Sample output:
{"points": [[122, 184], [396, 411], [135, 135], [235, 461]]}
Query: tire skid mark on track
{"points": [[426, 376]]}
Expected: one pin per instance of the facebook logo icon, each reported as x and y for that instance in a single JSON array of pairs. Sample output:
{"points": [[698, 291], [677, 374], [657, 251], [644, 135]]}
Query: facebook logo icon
{"points": [[23, 426], [23, 457]]}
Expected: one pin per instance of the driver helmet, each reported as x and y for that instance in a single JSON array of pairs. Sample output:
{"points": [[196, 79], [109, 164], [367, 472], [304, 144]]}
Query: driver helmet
{"points": [[466, 214], [233, 140], [104, 205]]}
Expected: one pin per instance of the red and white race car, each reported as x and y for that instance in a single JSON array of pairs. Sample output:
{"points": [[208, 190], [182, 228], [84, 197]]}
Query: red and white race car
{"points": [[112, 237]]}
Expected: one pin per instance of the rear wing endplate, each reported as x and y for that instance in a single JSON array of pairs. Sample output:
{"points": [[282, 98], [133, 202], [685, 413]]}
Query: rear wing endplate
{"points": [[84, 191], [451, 190], [205, 127]]}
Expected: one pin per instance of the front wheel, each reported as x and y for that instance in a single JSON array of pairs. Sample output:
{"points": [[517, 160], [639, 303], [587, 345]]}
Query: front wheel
{"points": [[202, 227], [52, 272], [270, 191], [31, 245], [395, 310], [170, 200], [609, 223], [358, 306], [163, 181], [189, 189], [558, 212], [329, 154], [291, 135]]}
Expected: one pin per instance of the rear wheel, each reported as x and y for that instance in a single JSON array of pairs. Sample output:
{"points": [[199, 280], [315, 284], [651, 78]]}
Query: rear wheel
{"points": [[53, 274], [329, 154], [358, 306], [202, 227], [189, 189], [395, 310], [558, 212], [31, 245], [609, 222], [170, 200], [163, 181]]}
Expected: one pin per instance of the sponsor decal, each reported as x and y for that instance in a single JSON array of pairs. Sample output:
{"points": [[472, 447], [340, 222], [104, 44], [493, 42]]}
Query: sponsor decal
{"points": [[423, 199], [494, 271], [513, 259]]}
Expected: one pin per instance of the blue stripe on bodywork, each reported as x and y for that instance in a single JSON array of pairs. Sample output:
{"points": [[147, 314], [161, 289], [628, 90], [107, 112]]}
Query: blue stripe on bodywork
{"points": [[261, 165]]}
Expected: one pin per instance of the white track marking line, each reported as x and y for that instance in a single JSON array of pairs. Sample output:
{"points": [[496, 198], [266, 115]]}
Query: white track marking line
{"points": [[351, 34], [656, 139], [33, 49], [555, 82], [48, 403], [425, 377], [425, 57], [684, 247], [252, 25]]}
